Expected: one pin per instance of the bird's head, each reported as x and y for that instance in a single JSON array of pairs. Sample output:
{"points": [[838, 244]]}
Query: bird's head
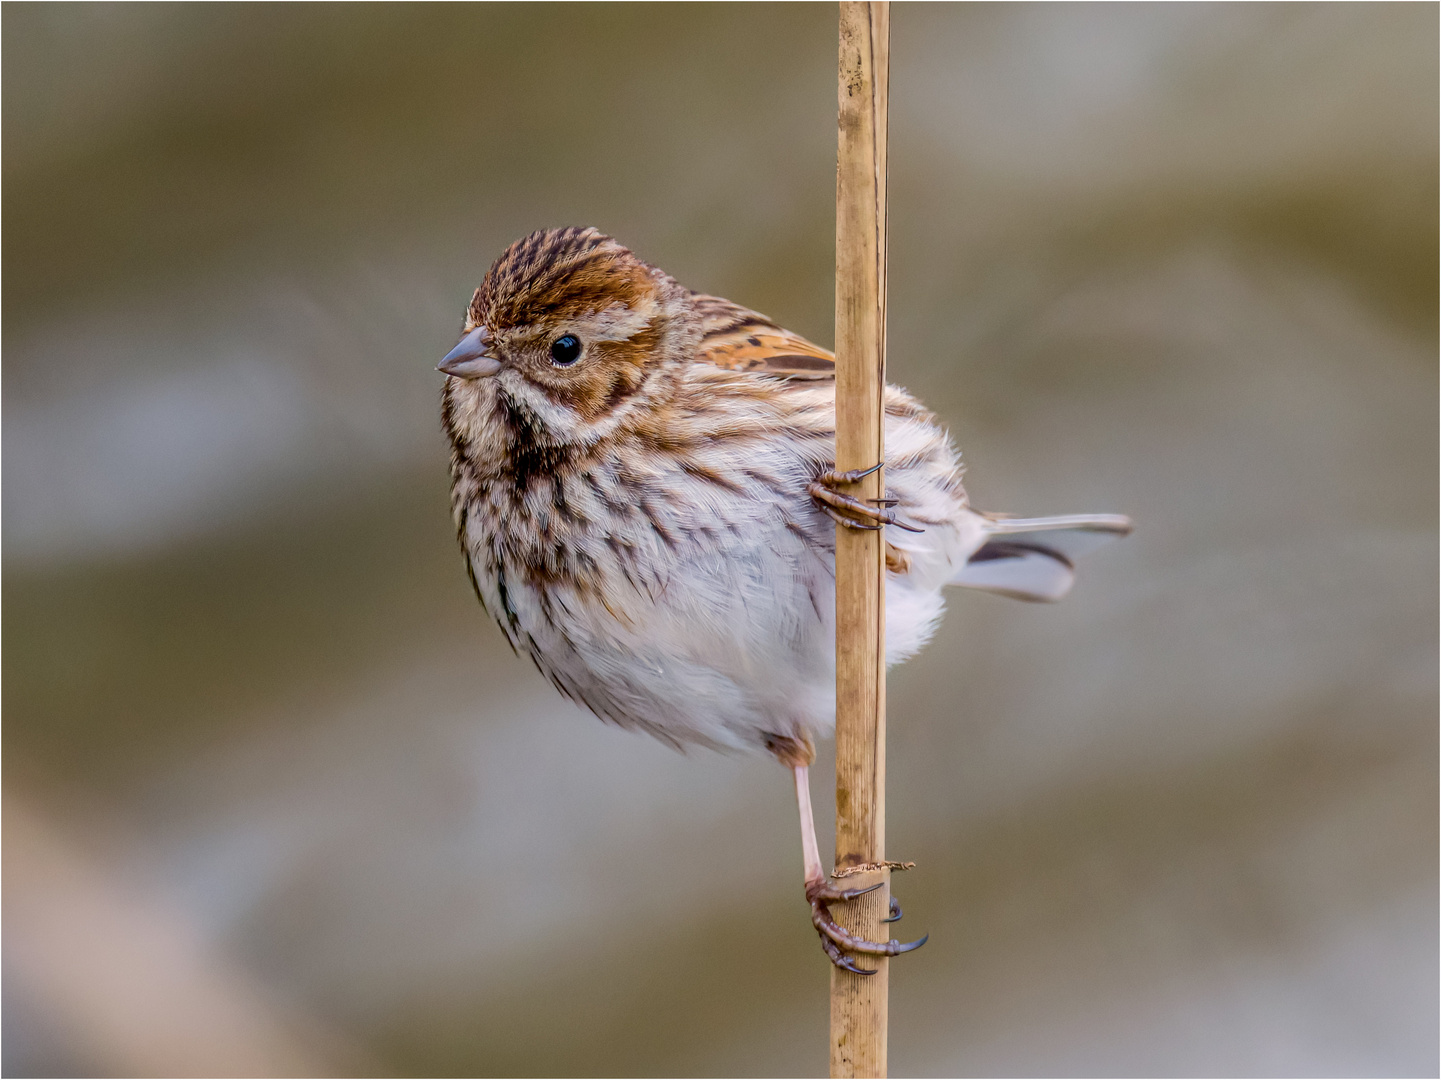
{"points": [[568, 335]]}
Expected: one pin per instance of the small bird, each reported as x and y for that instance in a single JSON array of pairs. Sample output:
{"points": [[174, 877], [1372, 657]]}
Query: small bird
{"points": [[644, 487]]}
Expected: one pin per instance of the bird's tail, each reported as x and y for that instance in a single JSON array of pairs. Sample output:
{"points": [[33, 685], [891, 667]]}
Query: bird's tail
{"points": [[1034, 558]]}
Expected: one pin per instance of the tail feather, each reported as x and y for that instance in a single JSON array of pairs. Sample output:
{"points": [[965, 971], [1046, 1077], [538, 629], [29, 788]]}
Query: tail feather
{"points": [[1033, 558]]}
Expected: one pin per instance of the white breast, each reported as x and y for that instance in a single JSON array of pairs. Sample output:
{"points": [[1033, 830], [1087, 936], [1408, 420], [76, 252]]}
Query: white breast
{"points": [[733, 640]]}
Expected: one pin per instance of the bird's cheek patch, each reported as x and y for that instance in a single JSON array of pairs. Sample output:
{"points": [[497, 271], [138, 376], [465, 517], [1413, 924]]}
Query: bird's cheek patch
{"points": [[625, 383], [603, 386]]}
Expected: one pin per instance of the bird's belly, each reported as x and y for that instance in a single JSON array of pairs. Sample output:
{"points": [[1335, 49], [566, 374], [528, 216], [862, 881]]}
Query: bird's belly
{"points": [[732, 643], [727, 640]]}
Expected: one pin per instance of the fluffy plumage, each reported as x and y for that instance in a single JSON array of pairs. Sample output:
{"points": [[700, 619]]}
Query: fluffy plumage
{"points": [[637, 522]]}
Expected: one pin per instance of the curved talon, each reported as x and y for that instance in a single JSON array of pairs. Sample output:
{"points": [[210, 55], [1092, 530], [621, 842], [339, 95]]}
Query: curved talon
{"points": [[824, 890], [851, 476], [896, 911], [911, 946]]}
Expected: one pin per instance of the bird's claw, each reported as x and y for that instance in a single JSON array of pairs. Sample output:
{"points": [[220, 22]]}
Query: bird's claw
{"points": [[896, 911], [835, 938], [841, 960], [849, 511]]}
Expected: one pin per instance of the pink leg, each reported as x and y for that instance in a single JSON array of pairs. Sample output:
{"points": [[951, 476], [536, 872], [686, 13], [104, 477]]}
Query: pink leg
{"points": [[810, 849]]}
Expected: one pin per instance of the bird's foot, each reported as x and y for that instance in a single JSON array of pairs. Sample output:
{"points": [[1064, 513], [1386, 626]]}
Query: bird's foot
{"points": [[849, 511], [835, 938]]}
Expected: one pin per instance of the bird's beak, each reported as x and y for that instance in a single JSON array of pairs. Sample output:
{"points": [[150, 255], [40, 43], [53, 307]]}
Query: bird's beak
{"points": [[471, 359]]}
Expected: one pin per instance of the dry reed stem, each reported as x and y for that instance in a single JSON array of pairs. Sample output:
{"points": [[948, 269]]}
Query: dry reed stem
{"points": [[859, 1003]]}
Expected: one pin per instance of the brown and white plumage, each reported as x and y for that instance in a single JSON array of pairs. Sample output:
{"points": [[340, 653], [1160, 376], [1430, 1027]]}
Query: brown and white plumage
{"points": [[637, 518], [641, 528]]}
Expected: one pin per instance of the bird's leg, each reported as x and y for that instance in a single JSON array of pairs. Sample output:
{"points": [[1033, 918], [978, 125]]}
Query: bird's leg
{"points": [[849, 511], [820, 892]]}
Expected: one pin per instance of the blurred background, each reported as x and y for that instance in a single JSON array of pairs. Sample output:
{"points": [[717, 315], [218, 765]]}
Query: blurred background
{"points": [[279, 800]]}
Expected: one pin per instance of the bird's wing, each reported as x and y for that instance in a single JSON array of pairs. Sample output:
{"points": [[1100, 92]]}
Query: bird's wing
{"points": [[738, 339]]}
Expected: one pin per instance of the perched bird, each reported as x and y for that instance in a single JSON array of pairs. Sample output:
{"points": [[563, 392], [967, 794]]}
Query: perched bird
{"points": [[644, 486]]}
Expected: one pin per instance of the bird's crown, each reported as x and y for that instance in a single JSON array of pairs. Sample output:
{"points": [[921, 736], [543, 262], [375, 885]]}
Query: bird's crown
{"points": [[555, 274]]}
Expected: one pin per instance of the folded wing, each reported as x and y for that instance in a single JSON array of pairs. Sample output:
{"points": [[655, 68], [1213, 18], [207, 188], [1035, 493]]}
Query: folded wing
{"points": [[738, 339]]}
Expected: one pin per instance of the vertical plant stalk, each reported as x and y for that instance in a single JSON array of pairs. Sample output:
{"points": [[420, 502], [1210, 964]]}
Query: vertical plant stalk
{"points": [[859, 1002]]}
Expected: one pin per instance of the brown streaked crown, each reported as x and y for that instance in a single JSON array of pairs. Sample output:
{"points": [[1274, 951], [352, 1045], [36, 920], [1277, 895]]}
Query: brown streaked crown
{"points": [[557, 274]]}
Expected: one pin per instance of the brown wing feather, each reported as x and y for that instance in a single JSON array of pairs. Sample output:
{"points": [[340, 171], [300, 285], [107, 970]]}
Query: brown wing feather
{"points": [[739, 339]]}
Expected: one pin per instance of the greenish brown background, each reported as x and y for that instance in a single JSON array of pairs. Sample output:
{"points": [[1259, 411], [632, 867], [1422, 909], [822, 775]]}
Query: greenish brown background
{"points": [[278, 798]]}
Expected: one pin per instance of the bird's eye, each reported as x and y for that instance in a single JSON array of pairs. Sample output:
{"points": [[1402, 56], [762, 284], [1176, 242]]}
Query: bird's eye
{"points": [[565, 350]]}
